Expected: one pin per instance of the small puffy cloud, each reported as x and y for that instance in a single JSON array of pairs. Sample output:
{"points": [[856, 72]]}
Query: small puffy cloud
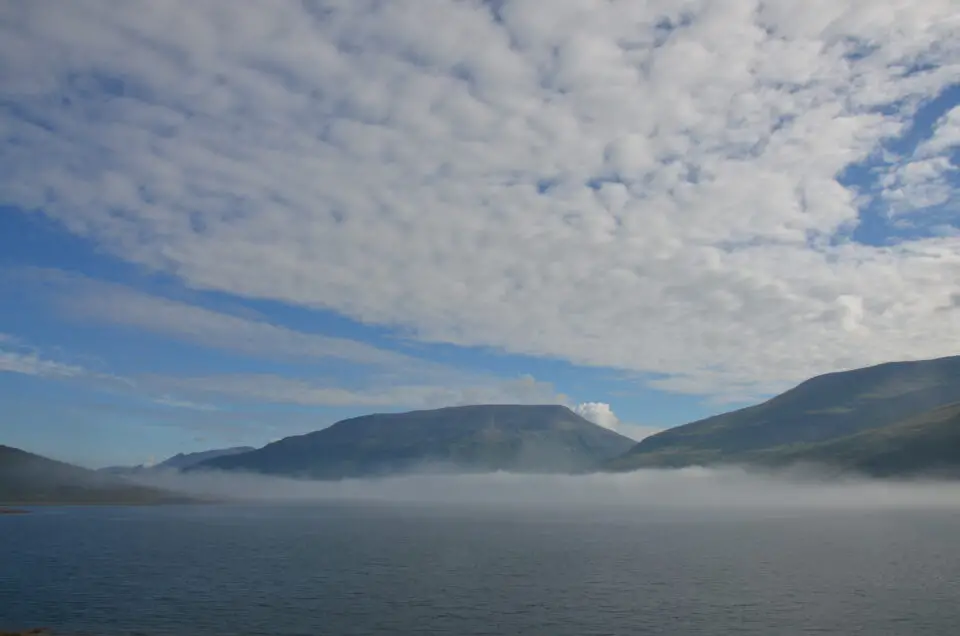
{"points": [[599, 413]]}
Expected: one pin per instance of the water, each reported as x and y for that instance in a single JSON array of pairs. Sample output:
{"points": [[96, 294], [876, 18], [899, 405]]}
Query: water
{"points": [[342, 569]]}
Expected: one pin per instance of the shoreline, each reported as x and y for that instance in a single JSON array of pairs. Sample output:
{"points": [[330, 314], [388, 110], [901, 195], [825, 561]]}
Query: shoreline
{"points": [[17, 507]]}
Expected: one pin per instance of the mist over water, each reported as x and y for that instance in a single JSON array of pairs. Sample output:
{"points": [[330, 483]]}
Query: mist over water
{"points": [[689, 488]]}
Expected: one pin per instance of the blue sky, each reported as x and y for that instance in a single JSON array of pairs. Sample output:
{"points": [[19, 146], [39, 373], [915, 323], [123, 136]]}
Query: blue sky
{"points": [[222, 227]]}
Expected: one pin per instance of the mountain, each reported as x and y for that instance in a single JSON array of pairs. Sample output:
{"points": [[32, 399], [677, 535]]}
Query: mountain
{"points": [[927, 444], [179, 461], [460, 439], [27, 479], [827, 408]]}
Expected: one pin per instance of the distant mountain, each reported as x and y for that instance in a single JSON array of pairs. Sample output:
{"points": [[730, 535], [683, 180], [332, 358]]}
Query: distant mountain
{"points": [[460, 439], [179, 461], [830, 408], [185, 460], [26, 479]]}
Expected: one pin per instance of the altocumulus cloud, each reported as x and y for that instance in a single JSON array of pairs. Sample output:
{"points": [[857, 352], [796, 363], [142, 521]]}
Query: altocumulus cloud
{"points": [[657, 187]]}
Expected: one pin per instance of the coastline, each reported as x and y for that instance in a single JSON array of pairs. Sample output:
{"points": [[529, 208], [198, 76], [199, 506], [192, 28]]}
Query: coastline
{"points": [[19, 506]]}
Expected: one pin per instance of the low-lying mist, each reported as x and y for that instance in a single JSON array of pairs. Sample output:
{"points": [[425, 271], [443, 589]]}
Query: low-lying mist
{"points": [[691, 488]]}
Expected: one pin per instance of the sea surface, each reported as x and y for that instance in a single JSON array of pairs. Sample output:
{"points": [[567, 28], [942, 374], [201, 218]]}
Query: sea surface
{"points": [[379, 568]]}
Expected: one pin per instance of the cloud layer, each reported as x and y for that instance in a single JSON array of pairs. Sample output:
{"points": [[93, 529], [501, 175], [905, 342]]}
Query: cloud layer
{"points": [[277, 389], [655, 187]]}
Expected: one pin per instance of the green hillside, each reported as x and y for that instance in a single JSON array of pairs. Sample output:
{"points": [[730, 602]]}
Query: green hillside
{"points": [[825, 408], [926, 444]]}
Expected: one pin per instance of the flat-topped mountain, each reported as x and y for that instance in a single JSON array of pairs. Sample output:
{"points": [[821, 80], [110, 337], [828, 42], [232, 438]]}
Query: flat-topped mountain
{"points": [[482, 438]]}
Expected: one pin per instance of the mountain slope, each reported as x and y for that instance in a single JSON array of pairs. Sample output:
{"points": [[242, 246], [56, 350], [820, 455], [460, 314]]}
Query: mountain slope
{"points": [[927, 444], [26, 478], [467, 439], [824, 408]]}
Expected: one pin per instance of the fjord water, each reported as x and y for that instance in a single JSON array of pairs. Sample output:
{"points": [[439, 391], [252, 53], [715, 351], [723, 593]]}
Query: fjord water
{"points": [[481, 569]]}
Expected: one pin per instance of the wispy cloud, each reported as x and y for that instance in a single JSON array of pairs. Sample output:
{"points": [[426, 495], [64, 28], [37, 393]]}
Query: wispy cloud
{"points": [[20, 356], [646, 186], [258, 389], [88, 299], [304, 392], [33, 364], [172, 402], [388, 378]]}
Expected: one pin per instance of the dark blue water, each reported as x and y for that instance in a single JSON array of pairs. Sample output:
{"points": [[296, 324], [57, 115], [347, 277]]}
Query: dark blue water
{"points": [[381, 569]]}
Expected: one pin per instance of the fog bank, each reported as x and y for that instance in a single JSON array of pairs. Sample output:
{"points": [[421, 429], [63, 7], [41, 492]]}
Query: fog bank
{"points": [[697, 488]]}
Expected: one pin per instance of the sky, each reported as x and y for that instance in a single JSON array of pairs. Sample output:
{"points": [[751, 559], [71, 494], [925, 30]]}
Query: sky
{"points": [[224, 223]]}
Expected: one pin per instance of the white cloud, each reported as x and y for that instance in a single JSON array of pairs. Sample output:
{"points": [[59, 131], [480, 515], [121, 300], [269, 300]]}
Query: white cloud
{"points": [[602, 414], [33, 364], [587, 183], [177, 403], [17, 356], [599, 413]]}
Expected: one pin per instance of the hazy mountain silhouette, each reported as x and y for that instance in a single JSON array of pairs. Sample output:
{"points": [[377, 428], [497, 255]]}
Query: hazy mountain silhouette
{"points": [[179, 461]]}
